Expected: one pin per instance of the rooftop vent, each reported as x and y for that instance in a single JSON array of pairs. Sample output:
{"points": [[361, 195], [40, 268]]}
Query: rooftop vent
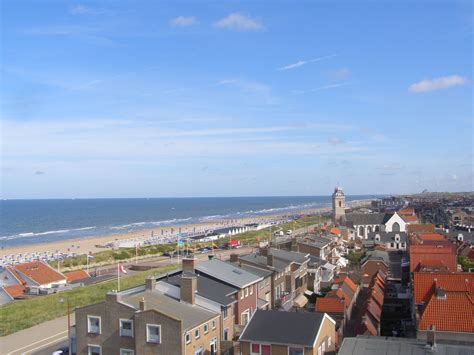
{"points": [[237, 272], [440, 294]]}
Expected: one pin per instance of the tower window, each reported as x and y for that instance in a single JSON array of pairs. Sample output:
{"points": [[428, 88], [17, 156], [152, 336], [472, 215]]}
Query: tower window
{"points": [[340, 204]]}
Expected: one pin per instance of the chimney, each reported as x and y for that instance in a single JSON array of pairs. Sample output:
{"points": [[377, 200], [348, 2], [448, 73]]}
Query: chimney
{"points": [[210, 256], [188, 288], [142, 304], [188, 265], [269, 259], [150, 283], [113, 296], [263, 251], [431, 336], [234, 258]]}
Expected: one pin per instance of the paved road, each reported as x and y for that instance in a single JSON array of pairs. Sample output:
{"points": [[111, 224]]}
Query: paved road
{"points": [[44, 338]]}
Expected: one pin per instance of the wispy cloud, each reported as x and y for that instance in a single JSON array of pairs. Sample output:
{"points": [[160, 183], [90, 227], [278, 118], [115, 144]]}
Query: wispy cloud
{"points": [[340, 74], [240, 22], [443, 82], [251, 86], [86, 10], [300, 63], [325, 87], [184, 21], [39, 172]]}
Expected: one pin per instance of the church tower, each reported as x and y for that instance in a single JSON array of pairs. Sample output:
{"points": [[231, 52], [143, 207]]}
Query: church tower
{"points": [[338, 206]]}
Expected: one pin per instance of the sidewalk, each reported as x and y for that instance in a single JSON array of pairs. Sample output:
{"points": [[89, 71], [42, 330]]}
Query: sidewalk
{"points": [[32, 339]]}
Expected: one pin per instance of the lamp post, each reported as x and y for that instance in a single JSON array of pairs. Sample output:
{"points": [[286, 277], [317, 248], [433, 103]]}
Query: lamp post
{"points": [[61, 300]]}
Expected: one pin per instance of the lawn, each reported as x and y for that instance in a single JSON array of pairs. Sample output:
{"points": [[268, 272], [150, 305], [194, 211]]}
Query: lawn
{"points": [[24, 314]]}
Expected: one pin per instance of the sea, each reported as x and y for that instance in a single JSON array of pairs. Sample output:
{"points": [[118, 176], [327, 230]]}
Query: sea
{"points": [[25, 222]]}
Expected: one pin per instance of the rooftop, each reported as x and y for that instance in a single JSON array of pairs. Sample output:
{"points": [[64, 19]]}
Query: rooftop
{"points": [[39, 272], [228, 273], [275, 327], [190, 315], [370, 345]]}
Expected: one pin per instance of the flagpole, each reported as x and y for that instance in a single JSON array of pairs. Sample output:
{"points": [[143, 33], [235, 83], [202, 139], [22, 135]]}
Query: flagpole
{"points": [[136, 253], [118, 278]]}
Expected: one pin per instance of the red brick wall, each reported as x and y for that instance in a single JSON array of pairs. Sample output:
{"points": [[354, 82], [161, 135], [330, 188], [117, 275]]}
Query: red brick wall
{"points": [[249, 302]]}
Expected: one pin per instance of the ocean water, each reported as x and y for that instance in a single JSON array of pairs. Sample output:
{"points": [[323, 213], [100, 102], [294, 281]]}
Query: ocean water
{"points": [[36, 221]]}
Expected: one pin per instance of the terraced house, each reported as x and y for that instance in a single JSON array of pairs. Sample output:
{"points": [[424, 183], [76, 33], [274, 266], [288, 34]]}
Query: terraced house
{"points": [[145, 321]]}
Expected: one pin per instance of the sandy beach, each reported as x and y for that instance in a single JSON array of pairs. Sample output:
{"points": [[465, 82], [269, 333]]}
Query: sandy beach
{"points": [[93, 244]]}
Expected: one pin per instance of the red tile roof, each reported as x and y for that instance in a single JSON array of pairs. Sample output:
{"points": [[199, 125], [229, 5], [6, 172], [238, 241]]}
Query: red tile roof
{"points": [[409, 218], [423, 283], [14, 290], [420, 228], [335, 231], [421, 254], [329, 305], [455, 311], [407, 211], [39, 272], [430, 236], [76, 275]]}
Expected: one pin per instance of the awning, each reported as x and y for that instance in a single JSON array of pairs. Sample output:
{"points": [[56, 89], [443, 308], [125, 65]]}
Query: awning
{"points": [[300, 301]]}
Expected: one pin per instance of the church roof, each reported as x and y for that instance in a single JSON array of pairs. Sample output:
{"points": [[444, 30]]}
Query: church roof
{"points": [[367, 218]]}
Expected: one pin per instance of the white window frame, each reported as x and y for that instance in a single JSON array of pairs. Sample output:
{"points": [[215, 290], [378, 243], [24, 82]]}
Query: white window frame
{"points": [[329, 342], [259, 349], [251, 290], [89, 324], [213, 323], [246, 292], [89, 346], [120, 328], [206, 328], [246, 312], [242, 294], [187, 338], [148, 333], [197, 333], [129, 350]]}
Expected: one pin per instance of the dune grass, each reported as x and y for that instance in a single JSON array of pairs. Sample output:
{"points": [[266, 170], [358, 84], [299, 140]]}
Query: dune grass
{"points": [[24, 314]]}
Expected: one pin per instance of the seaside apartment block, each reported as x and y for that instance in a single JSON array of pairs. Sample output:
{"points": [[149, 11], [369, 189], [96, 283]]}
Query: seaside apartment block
{"points": [[144, 321]]}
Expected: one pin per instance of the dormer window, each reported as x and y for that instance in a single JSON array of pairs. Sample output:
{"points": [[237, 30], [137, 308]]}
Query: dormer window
{"points": [[377, 237], [460, 237], [397, 238]]}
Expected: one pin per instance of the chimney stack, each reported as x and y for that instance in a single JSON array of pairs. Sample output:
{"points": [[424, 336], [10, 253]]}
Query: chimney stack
{"points": [[188, 288], [142, 304], [188, 265], [234, 258], [269, 259], [150, 283], [113, 296], [263, 251], [431, 336]]}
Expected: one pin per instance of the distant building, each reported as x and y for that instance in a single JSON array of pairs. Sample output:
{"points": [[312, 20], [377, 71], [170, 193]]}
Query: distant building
{"points": [[38, 274], [389, 240], [362, 224], [338, 206], [289, 333]]}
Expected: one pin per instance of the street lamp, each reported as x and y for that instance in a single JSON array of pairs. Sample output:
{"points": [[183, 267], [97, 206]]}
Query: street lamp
{"points": [[61, 300]]}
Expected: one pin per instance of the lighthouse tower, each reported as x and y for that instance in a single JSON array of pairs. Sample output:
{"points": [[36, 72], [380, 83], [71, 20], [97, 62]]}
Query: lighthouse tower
{"points": [[338, 206]]}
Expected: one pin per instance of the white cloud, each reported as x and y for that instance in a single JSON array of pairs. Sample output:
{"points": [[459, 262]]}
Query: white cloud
{"points": [[251, 86], [85, 10], [184, 21], [325, 87], [443, 82], [300, 63], [240, 22], [340, 74]]}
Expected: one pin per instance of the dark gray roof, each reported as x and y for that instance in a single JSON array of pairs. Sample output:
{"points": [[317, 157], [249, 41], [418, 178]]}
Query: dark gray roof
{"points": [[209, 288], [314, 260], [228, 273], [366, 218], [257, 270], [377, 255], [189, 314], [387, 237], [317, 241], [276, 327], [289, 255], [369, 345], [260, 260]]}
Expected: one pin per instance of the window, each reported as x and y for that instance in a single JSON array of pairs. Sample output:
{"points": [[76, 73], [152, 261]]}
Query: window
{"points": [[319, 351], [197, 334], [260, 349], [153, 333], [329, 342], [251, 290], [244, 317], [93, 325], [198, 351], [392, 245], [225, 312], [126, 352], [206, 328], [187, 337], [126, 328], [94, 350], [295, 351], [213, 324], [242, 294], [226, 334], [246, 292]]}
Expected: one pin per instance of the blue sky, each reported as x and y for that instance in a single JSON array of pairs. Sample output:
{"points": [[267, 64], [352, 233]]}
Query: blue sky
{"points": [[151, 99]]}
